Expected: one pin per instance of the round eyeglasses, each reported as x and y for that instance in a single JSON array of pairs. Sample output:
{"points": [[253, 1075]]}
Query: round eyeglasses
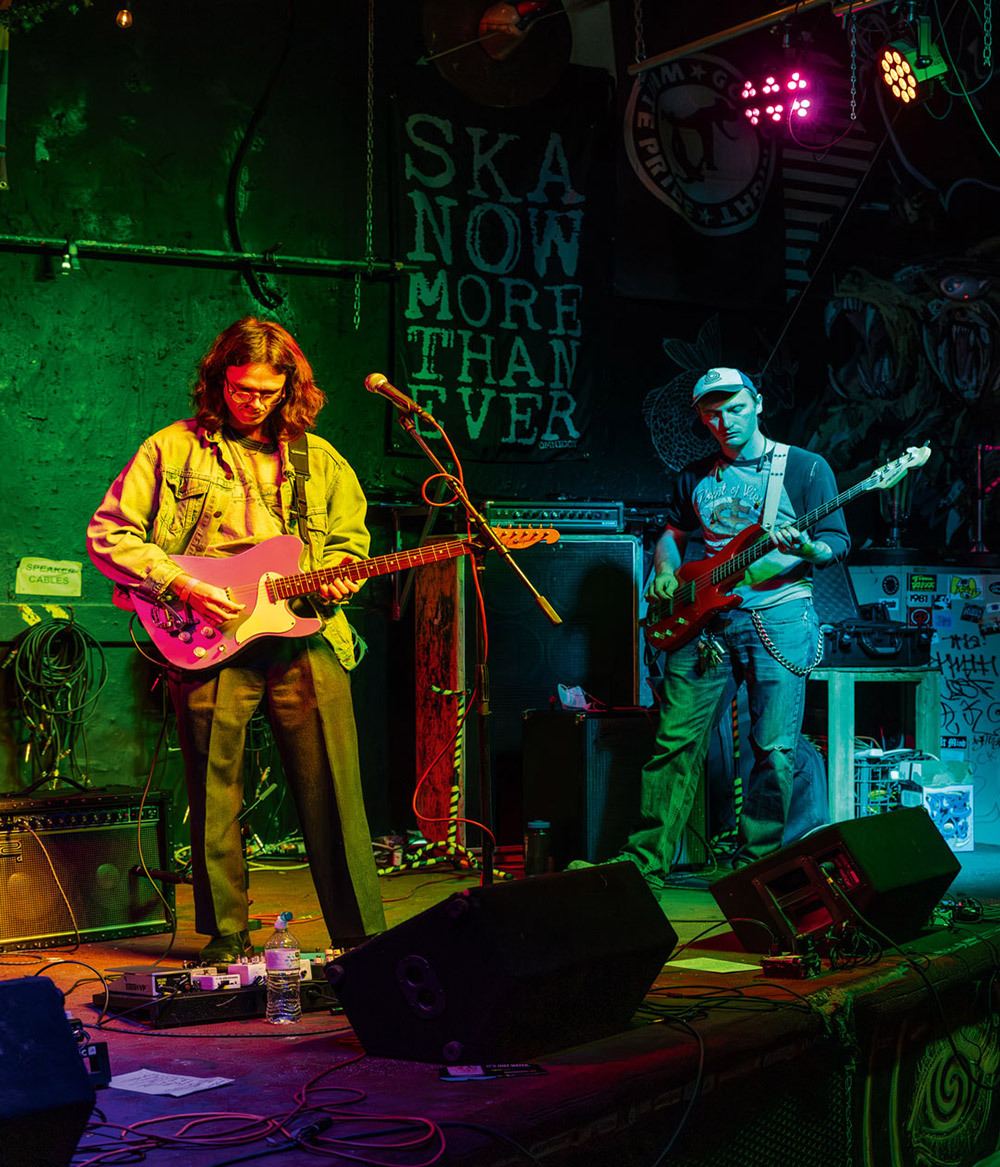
{"points": [[245, 396]]}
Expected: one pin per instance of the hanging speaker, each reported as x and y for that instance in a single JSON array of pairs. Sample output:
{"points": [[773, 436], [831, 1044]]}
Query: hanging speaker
{"points": [[73, 865], [508, 971], [46, 1095], [891, 869]]}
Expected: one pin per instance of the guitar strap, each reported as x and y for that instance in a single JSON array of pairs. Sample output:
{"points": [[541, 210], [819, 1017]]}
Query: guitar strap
{"points": [[298, 453], [775, 480]]}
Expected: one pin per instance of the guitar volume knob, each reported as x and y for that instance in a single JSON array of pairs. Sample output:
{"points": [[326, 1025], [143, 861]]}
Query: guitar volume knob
{"points": [[207, 631]]}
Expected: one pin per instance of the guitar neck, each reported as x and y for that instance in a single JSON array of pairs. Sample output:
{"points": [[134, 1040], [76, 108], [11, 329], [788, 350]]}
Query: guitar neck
{"points": [[308, 583], [735, 567]]}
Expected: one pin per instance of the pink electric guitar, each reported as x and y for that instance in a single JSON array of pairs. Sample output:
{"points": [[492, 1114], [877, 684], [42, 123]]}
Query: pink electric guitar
{"points": [[264, 579]]}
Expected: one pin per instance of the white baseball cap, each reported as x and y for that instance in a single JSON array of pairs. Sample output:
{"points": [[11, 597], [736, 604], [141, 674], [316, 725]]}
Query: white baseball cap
{"points": [[722, 381]]}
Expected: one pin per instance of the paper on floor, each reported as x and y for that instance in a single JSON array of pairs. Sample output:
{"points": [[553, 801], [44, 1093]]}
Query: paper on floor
{"points": [[707, 964], [154, 1082]]}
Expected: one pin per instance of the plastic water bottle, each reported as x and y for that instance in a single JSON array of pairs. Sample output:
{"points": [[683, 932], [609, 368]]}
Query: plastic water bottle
{"points": [[281, 960]]}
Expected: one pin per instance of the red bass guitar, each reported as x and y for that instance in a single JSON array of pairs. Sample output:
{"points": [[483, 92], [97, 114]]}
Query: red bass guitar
{"points": [[705, 584]]}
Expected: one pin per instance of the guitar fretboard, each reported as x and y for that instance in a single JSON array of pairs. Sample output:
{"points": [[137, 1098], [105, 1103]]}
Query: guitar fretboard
{"points": [[306, 583]]}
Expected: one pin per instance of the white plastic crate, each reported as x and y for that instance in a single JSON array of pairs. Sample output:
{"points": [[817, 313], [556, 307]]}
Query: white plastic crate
{"points": [[885, 782], [880, 786]]}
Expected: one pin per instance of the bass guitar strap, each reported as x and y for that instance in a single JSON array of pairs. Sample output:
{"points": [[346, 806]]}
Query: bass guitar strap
{"points": [[775, 480]]}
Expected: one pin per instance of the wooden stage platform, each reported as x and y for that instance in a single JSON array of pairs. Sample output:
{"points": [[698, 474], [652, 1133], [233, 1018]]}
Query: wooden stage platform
{"points": [[891, 1063]]}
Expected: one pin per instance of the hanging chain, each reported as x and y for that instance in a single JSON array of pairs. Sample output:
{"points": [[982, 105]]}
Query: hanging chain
{"points": [[988, 34], [854, 67], [369, 164], [776, 652], [640, 33]]}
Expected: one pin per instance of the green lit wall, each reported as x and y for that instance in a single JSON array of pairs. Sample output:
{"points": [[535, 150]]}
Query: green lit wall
{"points": [[128, 137]]}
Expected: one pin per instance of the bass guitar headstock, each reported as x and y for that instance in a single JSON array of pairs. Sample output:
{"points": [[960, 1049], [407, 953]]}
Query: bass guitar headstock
{"points": [[889, 474]]}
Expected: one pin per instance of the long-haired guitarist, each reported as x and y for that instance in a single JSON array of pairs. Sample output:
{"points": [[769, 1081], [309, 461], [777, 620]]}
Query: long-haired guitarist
{"points": [[239, 472], [769, 641]]}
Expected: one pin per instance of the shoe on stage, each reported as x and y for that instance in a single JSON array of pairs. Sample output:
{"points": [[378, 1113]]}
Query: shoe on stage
{"points": [[227, 949], [581, 864]]}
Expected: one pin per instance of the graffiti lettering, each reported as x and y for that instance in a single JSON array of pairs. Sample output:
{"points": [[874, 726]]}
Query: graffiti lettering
{"points": [[968, 666], [964, 640]]}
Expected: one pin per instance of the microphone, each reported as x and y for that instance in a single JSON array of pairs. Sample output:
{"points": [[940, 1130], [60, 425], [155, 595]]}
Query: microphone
{"points": [[378, 383]]}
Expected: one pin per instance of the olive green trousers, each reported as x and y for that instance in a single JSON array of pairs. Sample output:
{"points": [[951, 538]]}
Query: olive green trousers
{"points": [[307, 693]]}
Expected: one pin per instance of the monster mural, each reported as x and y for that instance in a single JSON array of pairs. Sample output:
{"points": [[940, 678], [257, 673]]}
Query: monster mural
{"points": [[914, 357]]}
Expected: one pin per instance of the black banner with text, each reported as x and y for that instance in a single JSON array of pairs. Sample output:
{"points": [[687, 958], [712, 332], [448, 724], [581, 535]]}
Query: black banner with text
{"points": [[494, 330]]}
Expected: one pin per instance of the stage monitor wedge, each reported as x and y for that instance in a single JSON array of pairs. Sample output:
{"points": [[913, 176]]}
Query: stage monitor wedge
{"points": [[889, 868], [46, 1095], [508, 971]]}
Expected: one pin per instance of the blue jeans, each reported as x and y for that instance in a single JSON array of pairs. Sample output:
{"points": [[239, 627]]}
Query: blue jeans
{"points": [[693, 701], [809, 806]]}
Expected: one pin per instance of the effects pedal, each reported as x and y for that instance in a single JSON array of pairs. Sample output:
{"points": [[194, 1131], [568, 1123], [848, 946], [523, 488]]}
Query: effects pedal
{"points": [[149, 982]]}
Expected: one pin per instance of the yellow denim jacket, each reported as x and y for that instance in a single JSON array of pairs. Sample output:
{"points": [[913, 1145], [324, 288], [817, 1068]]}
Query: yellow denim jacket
{"points": [[168, 501]]}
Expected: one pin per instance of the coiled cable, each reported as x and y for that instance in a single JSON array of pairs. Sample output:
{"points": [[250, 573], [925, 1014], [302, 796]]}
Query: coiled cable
{"points": [[59, 672]]}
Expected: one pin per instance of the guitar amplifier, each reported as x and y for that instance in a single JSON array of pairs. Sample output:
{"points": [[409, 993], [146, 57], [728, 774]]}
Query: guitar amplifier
{"points": [[72, 864], [577, 517], [582, 774]]}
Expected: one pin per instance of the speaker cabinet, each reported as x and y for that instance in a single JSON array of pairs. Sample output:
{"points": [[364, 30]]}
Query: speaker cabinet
{"points": [[593, 583], [890, 869], [508, 971], [45, 1093], [72, 864]]}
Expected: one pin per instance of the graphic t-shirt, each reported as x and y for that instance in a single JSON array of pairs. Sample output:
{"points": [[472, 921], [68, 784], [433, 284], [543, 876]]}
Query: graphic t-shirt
{"points": [[720, 498]]}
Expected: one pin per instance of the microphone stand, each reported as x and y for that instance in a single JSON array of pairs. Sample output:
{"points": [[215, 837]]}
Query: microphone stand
{"points": [[478, 521]]}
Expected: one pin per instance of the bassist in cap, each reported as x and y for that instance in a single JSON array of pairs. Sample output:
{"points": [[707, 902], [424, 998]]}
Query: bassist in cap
{"points": [[769, 640]]}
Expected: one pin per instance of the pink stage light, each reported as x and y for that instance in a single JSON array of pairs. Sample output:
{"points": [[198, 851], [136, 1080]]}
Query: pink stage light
{"points": [[791, 81]]}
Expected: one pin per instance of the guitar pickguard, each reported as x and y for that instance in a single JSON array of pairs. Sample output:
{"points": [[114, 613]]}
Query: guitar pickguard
{"points": [[266, 619]]}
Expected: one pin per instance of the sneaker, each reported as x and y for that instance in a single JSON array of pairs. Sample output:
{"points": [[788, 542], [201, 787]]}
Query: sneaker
{"points": [[692, 880], [581, 864]]}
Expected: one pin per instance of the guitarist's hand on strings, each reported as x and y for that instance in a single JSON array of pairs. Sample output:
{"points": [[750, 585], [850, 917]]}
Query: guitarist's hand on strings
{"points": [[340, 589], [215, 604], [792, 541], [663, 585]]}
